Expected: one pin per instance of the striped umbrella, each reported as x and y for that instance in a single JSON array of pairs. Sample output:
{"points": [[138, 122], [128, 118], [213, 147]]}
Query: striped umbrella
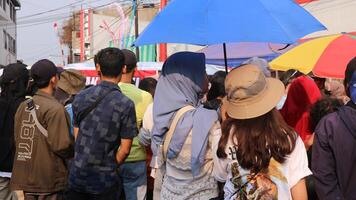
{"points": [[325, 56]]}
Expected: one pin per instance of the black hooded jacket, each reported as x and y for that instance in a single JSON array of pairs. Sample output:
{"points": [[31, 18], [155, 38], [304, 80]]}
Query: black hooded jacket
{"points": [[7, 142]]}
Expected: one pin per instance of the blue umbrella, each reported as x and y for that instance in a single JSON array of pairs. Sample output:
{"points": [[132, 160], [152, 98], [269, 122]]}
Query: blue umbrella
{"points": [[208, 22]]}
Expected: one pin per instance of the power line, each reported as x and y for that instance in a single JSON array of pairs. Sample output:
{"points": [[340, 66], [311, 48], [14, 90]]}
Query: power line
{"points": [[52, 10], [52, 18], [113, 21]]}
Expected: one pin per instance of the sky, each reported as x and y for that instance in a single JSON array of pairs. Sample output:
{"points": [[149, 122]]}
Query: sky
{"points": [[39, 40]]}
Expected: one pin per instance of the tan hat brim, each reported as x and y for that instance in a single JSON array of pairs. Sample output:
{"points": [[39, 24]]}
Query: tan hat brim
{"points": [[251, 109]]}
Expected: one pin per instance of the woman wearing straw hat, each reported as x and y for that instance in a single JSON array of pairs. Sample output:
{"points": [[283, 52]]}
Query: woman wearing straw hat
{"points": [[259, 155]]}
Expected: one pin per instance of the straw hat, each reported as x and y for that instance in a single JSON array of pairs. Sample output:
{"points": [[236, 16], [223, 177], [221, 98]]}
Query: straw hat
{"points": [[250, 94]]}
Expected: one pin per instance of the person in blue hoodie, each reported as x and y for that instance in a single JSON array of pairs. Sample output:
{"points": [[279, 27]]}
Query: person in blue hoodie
{"points": [[334, 158]]}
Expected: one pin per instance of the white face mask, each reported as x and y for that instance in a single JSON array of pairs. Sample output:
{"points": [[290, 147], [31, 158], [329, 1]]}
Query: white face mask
{"points": [[281, 102]]}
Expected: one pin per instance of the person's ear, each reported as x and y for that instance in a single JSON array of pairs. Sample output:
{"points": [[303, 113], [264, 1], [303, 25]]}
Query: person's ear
{"points": [[124, 69], [97, 69], [54, 81]]}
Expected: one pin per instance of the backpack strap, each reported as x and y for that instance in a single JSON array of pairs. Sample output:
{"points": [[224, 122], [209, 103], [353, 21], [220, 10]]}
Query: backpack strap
{"points": [[84, 114], [32, 108], [173, 126]]}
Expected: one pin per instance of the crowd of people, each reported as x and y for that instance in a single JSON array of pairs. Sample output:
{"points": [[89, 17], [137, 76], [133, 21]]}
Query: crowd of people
{"points": [[241, 135]]}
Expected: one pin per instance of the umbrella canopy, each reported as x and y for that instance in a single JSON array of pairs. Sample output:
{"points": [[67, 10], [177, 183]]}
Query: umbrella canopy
{"points": [[203, 22], [304, 1], [237, 53], [325, 56]]}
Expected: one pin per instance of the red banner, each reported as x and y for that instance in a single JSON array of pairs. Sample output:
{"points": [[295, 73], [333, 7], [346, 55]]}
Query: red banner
{"points": [[93, 78]]}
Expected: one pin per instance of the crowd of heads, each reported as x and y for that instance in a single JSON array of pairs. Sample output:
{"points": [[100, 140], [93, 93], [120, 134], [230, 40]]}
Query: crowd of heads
{"points": [[244, 102]]}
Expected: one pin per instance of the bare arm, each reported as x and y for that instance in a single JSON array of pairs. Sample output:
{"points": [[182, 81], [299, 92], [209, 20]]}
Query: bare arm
{"points": [[123, 151], [299, 191]]}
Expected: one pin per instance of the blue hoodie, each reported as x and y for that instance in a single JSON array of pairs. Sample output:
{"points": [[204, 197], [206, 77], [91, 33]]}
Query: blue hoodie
{"points": [[334, 155]]}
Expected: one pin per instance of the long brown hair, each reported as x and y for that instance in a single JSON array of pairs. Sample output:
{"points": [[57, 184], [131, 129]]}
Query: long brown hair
{"points": [[257, 140]]}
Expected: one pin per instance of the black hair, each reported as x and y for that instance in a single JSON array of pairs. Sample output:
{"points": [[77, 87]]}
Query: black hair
{"points": [[350, 69], [321, 108], [130, 68], [217, 88], [42, 84], [148, 85], [16, 88], [111, 61], [288, 76]]}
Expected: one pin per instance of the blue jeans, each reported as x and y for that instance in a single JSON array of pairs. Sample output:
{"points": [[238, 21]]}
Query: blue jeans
{"points": [[134, 179]]}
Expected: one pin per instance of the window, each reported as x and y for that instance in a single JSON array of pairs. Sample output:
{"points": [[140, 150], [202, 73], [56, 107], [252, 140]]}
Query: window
{"points": [[14, 17], [9, 43], [5, 39], [4, 4], [11, 11], [14, 46]]}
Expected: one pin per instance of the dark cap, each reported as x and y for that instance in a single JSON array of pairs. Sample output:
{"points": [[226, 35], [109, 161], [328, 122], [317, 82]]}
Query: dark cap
{"points": [[130, 57], [43, 70], [13, 72]]}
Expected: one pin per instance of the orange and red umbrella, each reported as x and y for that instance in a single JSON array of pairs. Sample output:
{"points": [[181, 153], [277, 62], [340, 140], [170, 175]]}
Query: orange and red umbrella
{"points": [[324, 56]]}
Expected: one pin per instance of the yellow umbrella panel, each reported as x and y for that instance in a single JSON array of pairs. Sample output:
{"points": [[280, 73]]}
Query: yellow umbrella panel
{"points": [[304, 56]]}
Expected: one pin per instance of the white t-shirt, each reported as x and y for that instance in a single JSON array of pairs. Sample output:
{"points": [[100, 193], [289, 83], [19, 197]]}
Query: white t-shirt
{"points": [[276, 182], [147, 121]]}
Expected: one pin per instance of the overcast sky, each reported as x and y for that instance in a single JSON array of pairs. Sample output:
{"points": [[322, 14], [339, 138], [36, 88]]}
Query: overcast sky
{"points": [[39, 40]]}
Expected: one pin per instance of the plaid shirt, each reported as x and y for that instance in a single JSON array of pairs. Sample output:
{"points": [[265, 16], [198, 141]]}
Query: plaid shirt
{"points": [[94, 167]]}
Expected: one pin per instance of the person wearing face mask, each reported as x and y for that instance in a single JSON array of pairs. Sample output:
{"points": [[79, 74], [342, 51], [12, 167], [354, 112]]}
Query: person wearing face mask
{"points": [[42, 139]]}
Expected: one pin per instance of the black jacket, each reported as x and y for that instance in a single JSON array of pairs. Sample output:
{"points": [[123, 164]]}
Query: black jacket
{"points": [[8, 109]]}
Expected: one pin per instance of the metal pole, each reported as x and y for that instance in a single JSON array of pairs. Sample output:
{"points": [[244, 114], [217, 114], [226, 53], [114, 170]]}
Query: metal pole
{"points": [[225, 57], [60, 42], [136, 28], [82, 45], [162, 47]]}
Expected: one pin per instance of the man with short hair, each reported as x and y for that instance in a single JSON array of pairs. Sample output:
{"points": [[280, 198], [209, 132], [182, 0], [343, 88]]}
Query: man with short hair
{"points": [[334, 158], [42, 139], [105, 123], [133, 172]]}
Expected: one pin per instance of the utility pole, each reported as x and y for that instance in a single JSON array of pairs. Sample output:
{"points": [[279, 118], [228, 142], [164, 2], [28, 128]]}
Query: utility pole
{"points": [[55, 26], [82, 45], [163, 47], [136, 28], [70, 57]]}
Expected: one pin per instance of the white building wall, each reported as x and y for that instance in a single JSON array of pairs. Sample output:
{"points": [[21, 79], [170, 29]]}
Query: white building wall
{"points": [[8, 44], [100, 37]]}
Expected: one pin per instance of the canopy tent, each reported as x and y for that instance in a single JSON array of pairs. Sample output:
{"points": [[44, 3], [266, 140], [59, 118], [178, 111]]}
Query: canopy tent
{"points": [[144, 69]]}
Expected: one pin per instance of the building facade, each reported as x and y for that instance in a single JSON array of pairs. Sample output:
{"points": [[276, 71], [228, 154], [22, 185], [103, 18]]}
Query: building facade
{"points": [[8, 32]]}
